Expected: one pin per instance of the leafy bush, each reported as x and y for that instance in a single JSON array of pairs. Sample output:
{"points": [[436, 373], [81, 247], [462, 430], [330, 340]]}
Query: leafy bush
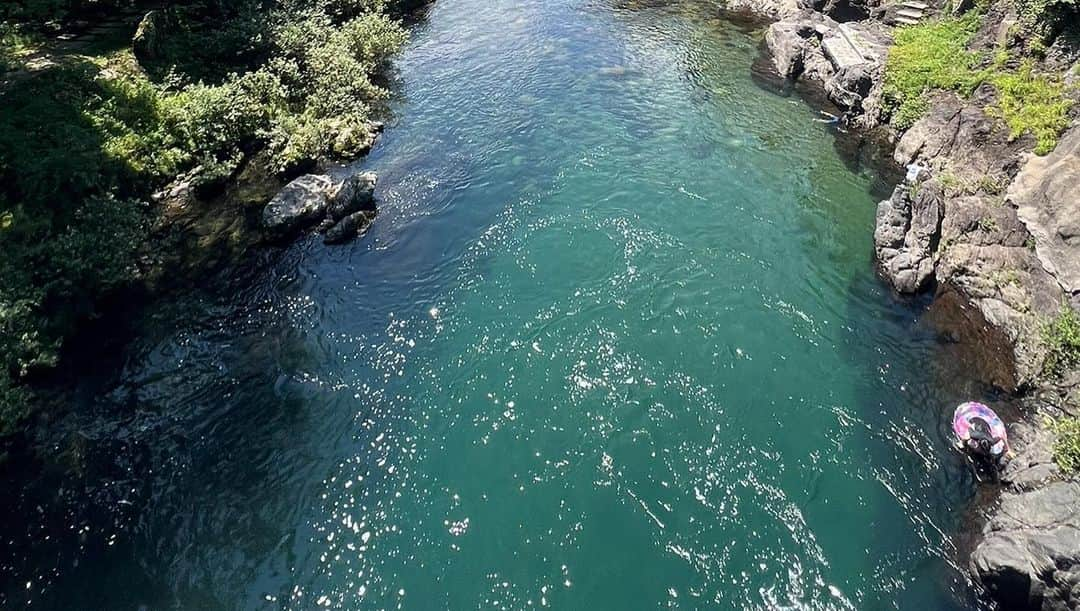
{"points": [[1030, 103], [213, 126], [929, 56], [1046, 14], [83, 142], [1066, 448], [1062, 337], [326, 75]]}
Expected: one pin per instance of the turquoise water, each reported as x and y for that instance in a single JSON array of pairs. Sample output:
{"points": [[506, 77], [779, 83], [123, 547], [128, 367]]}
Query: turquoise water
{"points": [[614, 342]]}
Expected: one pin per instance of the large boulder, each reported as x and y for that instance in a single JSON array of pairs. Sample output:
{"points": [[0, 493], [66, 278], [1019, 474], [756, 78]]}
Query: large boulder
{"points": [[317, 197], [1030, 555], [907, 231], [788, 42], [354, 193], [1046, 200], [302, 202], [846, 60]]}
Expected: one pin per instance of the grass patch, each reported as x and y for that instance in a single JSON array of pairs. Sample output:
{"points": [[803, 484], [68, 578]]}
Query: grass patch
{"points": [[1066, 450], [935, 56], [1031, 103], [1062, 337], [929, 56]]}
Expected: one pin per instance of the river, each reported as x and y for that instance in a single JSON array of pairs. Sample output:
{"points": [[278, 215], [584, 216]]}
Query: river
{"points": [[615, 341]]}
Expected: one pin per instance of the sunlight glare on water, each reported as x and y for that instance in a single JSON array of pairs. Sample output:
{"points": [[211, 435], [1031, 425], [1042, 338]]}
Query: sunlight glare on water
{"points": [[614, 341]]}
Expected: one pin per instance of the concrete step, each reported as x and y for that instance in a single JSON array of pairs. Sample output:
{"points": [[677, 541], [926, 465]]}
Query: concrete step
{"points": [[841, 53], [906, 20], [853, 39], [920, 6], [912, 13]]}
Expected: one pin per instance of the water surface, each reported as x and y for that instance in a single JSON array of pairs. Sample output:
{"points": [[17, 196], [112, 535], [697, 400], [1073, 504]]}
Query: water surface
{"points": [[614, 341]]}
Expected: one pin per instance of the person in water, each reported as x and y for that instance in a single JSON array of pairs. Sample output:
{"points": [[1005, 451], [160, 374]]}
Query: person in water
{"points": [[981, 433]]}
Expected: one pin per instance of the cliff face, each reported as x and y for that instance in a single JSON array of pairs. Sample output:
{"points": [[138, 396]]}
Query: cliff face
{"points": [[994, 231]]}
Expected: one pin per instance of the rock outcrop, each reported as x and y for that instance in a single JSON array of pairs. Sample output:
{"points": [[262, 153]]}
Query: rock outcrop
{"points": [[1029, 557], [955, 225], [344, 205], [995, 232], [1048, 204], [845, 58], [907, 233]]}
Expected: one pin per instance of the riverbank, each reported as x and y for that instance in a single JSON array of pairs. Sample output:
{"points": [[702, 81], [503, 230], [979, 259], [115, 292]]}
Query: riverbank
{"points": [[984, 221], [139, 143]]}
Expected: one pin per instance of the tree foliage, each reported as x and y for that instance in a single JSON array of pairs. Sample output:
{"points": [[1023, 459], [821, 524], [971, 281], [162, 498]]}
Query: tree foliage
{"points": [[84, 142]]}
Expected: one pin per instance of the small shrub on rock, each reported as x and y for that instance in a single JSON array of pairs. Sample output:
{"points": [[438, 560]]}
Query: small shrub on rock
{"points": [[1062, 338], [1066, 448]]}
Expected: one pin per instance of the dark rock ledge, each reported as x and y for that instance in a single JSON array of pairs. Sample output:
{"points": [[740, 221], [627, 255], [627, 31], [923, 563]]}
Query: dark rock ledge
{"points": [[995, 232]]}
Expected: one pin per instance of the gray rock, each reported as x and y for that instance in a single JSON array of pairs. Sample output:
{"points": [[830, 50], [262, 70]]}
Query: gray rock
{"points": [[354, 193], [1047, 202], [906, 234], [349, 227], [849, 86], [315, 197], [1030, 557], [302, 202], [787, 42]]}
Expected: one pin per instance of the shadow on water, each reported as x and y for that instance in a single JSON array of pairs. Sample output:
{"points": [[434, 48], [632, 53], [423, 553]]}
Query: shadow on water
{"points": [[176, 454]]}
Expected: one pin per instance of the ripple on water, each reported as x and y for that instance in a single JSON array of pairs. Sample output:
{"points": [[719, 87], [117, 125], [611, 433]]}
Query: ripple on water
{"points": [[613, 341]]}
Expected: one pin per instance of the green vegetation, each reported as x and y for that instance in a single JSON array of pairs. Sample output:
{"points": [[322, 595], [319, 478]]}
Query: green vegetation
{"points": [[935, 56], [1066, 448], [1062, 338], [1031, 103], [85, 140], [929, 56], [1043, 15]]}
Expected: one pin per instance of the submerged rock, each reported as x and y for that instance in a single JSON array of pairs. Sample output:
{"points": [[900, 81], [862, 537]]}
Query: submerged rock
{"points": [[349, 227]]}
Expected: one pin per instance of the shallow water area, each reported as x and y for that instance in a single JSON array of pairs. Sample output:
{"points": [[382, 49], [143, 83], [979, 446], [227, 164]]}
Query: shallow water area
{"points": [[614, 341]]}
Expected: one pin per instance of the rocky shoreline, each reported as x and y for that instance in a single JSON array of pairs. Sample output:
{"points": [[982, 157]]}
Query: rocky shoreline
{"points": [[989, 228]]}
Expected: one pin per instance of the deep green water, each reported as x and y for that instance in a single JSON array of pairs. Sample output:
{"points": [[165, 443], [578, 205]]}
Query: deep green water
{"points": [[614, 342]]}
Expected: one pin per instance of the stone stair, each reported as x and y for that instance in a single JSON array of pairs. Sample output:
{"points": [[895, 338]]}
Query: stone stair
{"points": [[911, 12]]}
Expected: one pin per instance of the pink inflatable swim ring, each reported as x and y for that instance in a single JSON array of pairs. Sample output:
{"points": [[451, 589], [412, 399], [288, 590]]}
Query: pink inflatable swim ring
{"points": [[963, 416]]}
